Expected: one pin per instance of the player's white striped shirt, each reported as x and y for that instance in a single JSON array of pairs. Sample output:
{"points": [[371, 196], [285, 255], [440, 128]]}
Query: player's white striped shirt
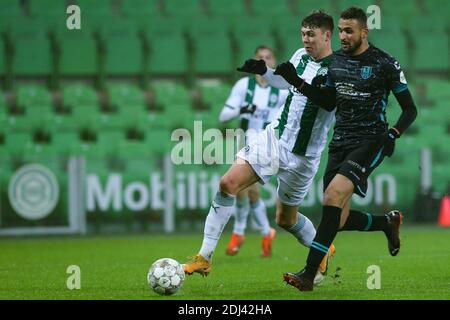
{"points": [[303, 126]]}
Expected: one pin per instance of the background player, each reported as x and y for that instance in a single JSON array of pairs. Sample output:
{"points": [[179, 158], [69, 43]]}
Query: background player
{"points": [[257, 104], [359, 80], [290, 148]]}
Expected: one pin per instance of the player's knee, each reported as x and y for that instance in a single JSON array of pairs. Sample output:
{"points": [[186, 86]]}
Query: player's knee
{"points": [[284, 221], [229, 185], [253, 195]]}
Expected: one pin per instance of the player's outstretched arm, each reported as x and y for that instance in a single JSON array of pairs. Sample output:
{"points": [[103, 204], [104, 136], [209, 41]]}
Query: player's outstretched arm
{"points": [[275, 80], [409, 111], [259, 67], [324, 97], [228, 113], [407, 117]]}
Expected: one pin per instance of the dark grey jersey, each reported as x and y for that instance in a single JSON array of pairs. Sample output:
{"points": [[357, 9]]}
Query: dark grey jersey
{"points": [[363, 84]]}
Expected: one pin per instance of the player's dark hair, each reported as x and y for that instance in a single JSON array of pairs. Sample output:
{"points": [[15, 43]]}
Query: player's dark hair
{"points": [[264, 47], [355, 13], [319, 19]]}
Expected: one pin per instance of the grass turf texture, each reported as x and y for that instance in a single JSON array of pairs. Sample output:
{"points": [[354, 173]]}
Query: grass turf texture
{"points": [[116, 267]]}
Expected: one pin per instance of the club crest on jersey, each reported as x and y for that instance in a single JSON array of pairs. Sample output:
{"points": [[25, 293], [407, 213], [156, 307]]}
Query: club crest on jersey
{"points": [[366, 72], [322, 71]]}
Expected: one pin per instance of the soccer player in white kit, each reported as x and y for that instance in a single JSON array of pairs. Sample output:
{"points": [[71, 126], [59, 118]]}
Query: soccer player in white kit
{"points": [[256, 104], [289, 148]]}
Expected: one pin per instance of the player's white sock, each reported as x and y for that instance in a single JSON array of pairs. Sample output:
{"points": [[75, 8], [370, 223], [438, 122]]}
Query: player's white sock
{"points": [[218, 216], [303, 230], [242, 210], [260, 214]]}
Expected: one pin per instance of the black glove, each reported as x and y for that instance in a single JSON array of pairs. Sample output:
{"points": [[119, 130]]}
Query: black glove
{"points": [[288, 72], [250, 108], [319, 81], [389, 142], [253, 66]]}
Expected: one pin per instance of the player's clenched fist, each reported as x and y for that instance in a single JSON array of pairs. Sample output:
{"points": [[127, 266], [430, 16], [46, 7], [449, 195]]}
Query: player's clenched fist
{"points": [[253, 66], [288, 72]]}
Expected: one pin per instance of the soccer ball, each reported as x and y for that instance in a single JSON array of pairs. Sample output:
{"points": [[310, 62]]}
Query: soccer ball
{"points": [[166, 276]]}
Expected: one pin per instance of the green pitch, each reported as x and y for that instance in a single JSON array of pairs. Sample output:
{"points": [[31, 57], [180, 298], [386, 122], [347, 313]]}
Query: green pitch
{"points": [[116, 267]]}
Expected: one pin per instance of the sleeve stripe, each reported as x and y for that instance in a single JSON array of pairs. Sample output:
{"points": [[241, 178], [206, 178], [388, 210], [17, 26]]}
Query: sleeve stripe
{"points": [[400, 88], [231, 107]]}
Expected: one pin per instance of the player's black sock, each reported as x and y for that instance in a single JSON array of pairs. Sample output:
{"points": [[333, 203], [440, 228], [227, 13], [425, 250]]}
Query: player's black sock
{"points": [[326, 232], [361, 221]]}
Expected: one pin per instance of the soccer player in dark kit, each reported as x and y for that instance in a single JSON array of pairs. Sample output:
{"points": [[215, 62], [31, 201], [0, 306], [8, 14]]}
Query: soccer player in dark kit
{"points": [[359, 80]]}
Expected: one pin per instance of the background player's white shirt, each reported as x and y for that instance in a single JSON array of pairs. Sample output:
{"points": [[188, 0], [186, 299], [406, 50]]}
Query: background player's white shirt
{"points": [[261, 98], [303, 127]]}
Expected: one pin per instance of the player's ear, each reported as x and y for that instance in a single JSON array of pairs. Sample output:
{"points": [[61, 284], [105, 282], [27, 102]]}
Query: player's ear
{"points": [[365, 33], [328, 35]]}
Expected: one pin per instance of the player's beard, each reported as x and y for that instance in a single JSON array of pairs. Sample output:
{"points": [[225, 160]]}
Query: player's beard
{"points": [[354, 47]]}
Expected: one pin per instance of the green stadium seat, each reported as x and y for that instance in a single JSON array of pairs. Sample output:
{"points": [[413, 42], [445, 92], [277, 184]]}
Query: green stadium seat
{"points": [[208, 119], [16, 143], [439, 60], [438, 9], [393, 44], [213, 55], [438, 89], [169, 92], [31, 49], [164, 25], [110, 140], [425, 24], [86, 118], [41, 152], [163, 46], [304, 7], [125, 95], [157, 120], [441, 177], [2, 58], [19, 123], [123, 48], [163, 136], [40, 117], [251, 33], [79, 94], [207, 26], [64, 123], [53, 16], [269, 8], [78, 52], [95, 157], [177, 8], [2, 102], [137, 158], [96, 13], [432, 115], [33, 96], [64, 141], [140, 9], [234, 9], [434, 136], [96, 7], [344, 4], [403, 10], [50, 7], [10, 8], [134, 118], [215, 95]]}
